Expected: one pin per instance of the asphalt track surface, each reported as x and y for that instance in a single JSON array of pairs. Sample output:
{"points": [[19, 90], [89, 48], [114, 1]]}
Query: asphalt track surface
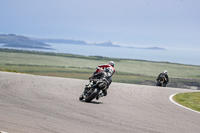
{"points": [[40, 104]]}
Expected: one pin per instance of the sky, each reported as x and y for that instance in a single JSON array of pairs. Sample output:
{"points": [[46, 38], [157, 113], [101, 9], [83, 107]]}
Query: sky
{"points": [[142, 23]]}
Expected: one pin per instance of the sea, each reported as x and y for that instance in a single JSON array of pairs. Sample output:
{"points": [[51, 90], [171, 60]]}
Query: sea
{"points": [[180, 56]]}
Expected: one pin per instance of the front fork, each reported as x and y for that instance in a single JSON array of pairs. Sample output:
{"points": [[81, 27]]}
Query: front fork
{"points": [[88, 85]]}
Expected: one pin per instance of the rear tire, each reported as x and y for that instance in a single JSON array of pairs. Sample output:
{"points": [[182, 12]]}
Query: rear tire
{"points": [[93, 95]]}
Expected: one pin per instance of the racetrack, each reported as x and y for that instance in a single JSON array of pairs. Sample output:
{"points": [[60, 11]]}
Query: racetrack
{"points": [[40, 104]]}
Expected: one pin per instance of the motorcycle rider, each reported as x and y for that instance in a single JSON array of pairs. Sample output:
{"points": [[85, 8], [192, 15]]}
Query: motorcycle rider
{"points": [[107, 73], [109, 68], [164, 74]]}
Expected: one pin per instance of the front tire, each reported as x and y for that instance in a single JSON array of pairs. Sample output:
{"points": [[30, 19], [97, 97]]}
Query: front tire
{"points": [[81, 97], [164, 84], [158, 84], [93, 95]]}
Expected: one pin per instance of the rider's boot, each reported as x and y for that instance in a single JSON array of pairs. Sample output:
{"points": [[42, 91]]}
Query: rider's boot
{"points": [[100, 95]]}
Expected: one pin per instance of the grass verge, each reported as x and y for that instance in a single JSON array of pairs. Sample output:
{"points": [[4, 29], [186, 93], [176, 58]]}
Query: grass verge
{"points": [[190, 100]]}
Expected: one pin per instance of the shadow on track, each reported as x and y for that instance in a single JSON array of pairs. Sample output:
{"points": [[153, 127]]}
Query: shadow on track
{"points": [[93, 102]]}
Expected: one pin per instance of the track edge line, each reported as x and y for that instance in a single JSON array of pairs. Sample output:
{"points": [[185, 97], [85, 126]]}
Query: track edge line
{"points": [[171, 99]]}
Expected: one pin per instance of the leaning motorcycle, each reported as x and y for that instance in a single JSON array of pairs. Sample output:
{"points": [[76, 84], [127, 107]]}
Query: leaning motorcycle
{"points": [[93, 89], [161, 81]]}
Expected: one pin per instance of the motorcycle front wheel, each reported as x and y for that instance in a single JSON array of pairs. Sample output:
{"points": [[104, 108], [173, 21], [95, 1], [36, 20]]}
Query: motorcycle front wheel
{"points": [[92, 95], [158, 84]]}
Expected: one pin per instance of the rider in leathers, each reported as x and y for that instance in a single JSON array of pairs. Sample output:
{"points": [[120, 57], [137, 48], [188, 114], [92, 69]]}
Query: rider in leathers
{"points": [[107, 73], [166, 77]]}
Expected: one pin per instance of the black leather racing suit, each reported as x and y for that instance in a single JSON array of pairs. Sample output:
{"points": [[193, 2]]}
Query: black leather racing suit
{"points": [[107, 76], [166, 77]]}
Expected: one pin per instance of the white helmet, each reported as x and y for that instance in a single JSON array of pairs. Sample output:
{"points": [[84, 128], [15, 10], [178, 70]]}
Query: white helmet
{"points": [[112, 63], [165, 71]]}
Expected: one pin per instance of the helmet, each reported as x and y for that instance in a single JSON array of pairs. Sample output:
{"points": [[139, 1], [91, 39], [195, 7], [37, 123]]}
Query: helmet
{"points": [[112, 63], [165, 71]]}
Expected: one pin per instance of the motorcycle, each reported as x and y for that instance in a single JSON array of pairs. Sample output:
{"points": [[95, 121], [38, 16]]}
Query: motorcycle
{"points": [[161, 81], [94, 88]]}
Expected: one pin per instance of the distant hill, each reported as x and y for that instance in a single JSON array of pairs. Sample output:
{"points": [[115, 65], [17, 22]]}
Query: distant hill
{"points": [[104, 44], [17, 41], [12, 40], [150, 48], [60, 41], [77, 42]]}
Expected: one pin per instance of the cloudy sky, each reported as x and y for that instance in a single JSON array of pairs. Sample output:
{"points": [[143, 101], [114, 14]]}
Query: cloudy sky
{"points": [[164, 23]]}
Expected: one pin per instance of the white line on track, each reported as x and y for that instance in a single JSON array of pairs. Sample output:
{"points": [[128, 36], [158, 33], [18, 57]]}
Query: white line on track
{"points": [[171, 99]]}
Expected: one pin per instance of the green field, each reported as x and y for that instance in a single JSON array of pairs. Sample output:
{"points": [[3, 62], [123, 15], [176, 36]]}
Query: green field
{"points": [[82, 67], [190, 100]]}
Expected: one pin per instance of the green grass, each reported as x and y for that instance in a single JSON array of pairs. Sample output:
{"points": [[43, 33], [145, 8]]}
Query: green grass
{"points": [[76, 66], [136, 67], [190, 100]]}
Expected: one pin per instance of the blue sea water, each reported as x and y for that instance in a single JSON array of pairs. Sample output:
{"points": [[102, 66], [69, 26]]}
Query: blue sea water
{"points": [[182, 56]]}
